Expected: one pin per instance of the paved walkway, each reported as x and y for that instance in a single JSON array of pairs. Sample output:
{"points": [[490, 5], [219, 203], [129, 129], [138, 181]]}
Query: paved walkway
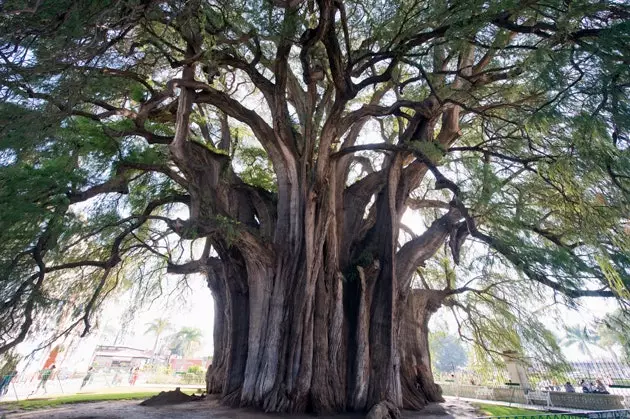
{"points": [[211, 410]]}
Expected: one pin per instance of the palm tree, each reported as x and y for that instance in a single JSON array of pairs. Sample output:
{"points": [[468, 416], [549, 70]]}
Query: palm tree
{"points": [[157, 327], [582, 338], [186, 340]]}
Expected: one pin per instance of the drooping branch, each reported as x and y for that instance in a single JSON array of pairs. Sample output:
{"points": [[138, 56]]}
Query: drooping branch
{"points": [[504, 249], [512, 256]]}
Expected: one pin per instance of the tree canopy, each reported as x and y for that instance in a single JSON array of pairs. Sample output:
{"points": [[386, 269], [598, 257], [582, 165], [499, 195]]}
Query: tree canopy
{"points": [[279, 147]]}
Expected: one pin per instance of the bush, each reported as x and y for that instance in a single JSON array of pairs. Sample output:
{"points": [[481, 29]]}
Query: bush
{"points": [[195, 369]]}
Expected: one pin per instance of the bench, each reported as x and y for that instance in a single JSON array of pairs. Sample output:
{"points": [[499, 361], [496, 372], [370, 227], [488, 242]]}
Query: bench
{"points": [[538, 396]]}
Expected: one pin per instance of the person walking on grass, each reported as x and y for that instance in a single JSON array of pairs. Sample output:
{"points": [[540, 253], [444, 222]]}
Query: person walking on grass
{"points": [[5, 381], [46, 374], [87, 377]]}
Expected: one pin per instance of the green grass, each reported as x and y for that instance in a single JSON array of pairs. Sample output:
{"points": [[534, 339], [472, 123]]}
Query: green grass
{"points": [[621, 382], [498, 410], [41, 403]]}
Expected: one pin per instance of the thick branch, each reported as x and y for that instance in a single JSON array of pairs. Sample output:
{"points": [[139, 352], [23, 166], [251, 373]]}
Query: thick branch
{"points": [[416, 251]]}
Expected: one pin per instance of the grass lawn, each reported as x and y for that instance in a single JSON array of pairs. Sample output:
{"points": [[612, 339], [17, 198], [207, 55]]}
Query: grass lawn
{"points": [[498, 410], [41, 403]]}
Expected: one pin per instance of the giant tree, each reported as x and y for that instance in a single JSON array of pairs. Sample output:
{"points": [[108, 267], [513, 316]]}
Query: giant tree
{"points": [[288, 139]]}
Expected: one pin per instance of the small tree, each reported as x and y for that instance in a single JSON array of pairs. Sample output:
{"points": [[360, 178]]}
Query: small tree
{"points": [[158, 328], [186, 341], [583, 338], [447, 353]]}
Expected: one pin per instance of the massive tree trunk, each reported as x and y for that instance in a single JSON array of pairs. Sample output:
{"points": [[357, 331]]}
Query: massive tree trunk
{"points": [[299, 332], [309, 313], [216, 370], [334, 360]]}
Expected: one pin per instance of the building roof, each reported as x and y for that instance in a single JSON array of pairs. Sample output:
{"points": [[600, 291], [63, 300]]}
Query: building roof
{"points": [[121, 352]]}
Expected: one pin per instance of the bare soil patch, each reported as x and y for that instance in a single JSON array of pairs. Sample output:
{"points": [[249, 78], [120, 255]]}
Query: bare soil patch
{"points": [[170, 397]]}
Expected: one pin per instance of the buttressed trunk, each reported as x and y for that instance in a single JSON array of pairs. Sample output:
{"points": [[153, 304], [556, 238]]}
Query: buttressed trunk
{"points": [[415, 359], [308, 309], [298, 331]]}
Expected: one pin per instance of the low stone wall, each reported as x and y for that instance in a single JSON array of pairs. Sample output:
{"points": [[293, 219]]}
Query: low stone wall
{"points": [[510, 394], [587, 401]]}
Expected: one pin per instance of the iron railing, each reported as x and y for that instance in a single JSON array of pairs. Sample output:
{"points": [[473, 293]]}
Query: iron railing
{"points": [[608, 414]]}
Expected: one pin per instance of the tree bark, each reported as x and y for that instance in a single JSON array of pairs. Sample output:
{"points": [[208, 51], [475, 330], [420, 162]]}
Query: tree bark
{"points": [[416, 375], [216, 370], [302, 333]]}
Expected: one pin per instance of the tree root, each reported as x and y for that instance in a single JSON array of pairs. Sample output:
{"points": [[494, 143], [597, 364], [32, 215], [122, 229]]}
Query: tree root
{"points": [[384, 410]]}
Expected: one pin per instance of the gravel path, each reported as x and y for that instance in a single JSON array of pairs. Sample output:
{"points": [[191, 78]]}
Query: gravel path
{"points": [[209, 409]]}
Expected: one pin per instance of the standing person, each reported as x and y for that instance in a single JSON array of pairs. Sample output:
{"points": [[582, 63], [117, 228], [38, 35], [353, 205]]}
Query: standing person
{"points": [[5, 381], [46, 374], [134, 376], [568, 387], [117, 379], [87, 377]]}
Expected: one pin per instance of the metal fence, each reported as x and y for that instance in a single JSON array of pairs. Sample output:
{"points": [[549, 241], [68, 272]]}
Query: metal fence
{"points": [[610, 414], [547, 385], [542, 375], [613, 374]]}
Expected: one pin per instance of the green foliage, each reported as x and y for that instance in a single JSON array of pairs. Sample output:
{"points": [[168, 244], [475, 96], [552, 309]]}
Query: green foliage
{"points": [[254, 167], [503, 313], [614, 333], [157, 327], [195, 369], [8, 363]]}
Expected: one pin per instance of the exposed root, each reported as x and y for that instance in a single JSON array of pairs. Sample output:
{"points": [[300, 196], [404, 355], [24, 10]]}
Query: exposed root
{"points": [[384, 410]]}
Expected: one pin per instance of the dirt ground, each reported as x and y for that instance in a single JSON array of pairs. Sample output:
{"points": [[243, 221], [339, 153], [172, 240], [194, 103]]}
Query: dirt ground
{"points": [[209, 409]]}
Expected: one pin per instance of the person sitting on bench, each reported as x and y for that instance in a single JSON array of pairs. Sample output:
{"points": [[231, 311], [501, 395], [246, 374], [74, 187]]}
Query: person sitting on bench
{"points": [[600, 388]]}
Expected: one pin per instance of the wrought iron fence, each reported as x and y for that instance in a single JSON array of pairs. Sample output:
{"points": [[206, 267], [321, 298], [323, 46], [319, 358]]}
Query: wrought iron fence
{"points": [[595, 385], [613, 375], [609, 414]]}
